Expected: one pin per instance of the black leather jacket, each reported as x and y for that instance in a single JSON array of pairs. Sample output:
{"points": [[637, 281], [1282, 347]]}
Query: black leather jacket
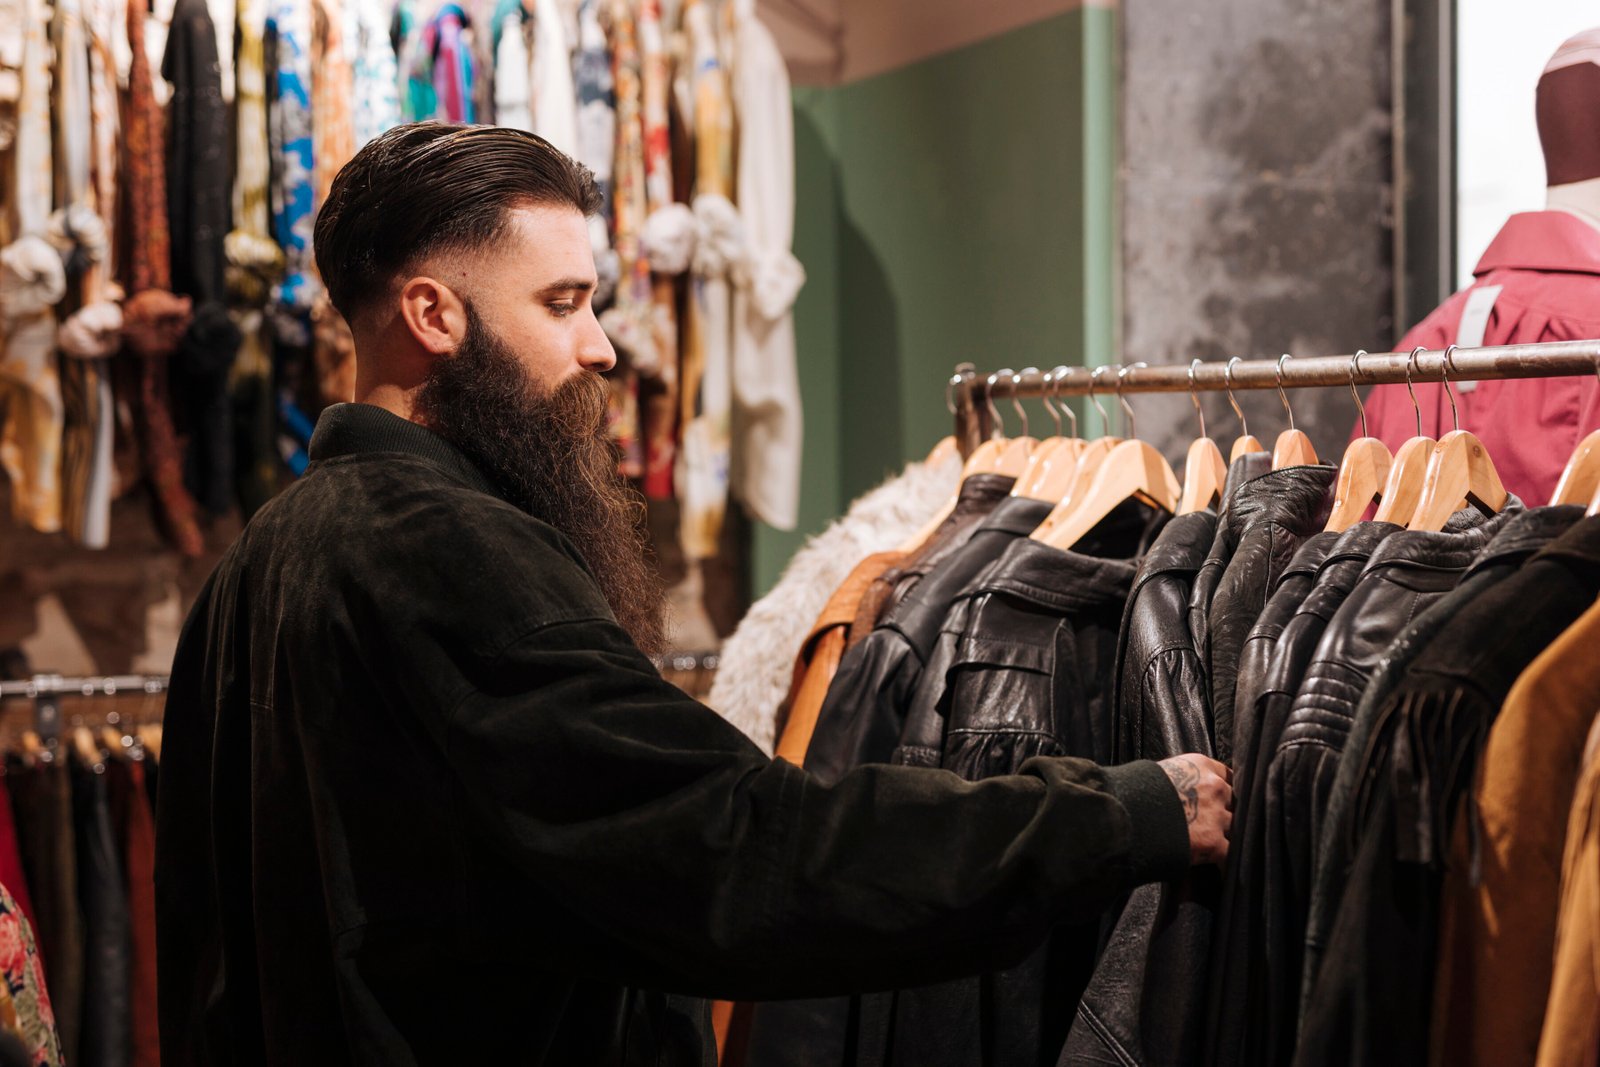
{"points": [[1271, 516], [1240, 1009], [1408, 571], [1022, 658], [1372, 997], [1244, 470], [1160, 683], [864, 713], [1142, 1004], [1284, 599], [1518, 540]]}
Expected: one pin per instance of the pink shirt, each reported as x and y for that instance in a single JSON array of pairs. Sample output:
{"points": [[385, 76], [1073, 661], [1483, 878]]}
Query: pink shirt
{"points": [[1548, 265]]}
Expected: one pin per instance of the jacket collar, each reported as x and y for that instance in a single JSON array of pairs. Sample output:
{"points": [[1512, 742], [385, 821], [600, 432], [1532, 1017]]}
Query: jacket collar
{"points": [[1580, 544], [1018, 515], [1182, 547], [1453, 548], [1298, 498], [356, 429], [1543, 240], [1310, 556], [1036, 573], [1525, 534]]}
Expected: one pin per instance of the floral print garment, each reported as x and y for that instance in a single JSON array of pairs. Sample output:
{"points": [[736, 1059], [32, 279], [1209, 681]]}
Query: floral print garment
{"points": [[24, 1002]]}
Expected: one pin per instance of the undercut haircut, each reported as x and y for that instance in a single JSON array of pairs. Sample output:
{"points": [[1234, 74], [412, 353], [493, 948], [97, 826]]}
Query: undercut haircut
{"points": [[429, 188]]}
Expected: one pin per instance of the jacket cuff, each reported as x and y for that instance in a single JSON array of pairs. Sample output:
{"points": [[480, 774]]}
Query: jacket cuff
{"points": [[1159, 851]]}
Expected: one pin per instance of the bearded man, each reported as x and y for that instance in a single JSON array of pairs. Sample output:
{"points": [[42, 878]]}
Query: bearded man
{"points": [[425, 799]]}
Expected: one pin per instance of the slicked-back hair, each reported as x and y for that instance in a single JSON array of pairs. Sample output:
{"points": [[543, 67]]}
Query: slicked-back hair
{"points": [[427, 188]]}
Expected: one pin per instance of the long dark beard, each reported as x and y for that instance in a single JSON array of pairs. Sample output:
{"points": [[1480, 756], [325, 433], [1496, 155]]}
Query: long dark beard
{"points": [[547, 451]]}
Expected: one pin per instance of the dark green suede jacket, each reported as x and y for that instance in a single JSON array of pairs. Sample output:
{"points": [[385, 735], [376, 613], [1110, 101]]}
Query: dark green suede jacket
{"points": [[423, 801]]}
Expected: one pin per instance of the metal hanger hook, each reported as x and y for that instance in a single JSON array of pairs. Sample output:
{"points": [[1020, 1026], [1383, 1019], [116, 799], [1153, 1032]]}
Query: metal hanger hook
{"points": [[1194, 398], [1283, 397], [1227, 379], [1094, 380], [949, 393], [1447, 368], [998, 427], [1127, 407], [1056, 377], [1410, 361], [1355, 369], [1016, 399], [1046, 380]]}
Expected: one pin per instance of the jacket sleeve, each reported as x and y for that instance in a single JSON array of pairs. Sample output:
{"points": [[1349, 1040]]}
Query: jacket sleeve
{"points": [[715, 871]]}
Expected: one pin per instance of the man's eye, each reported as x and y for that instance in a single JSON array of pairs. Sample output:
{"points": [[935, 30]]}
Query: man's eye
{"points": [[561, 311]]}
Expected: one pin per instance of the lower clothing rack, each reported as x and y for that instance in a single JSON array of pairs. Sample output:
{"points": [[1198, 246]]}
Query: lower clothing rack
{"points": [[47, 691]]}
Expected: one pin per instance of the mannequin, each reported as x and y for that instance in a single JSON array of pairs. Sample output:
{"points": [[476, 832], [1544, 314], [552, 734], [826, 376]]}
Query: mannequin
{"points": [[1568, 98], [1538, 281]]}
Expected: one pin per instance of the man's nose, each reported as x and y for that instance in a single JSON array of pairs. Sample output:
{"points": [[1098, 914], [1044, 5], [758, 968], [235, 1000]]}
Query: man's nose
{"points": [[594, 351]]}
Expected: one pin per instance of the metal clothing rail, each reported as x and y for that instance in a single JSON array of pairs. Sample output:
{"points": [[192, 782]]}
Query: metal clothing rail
{"points": [[55, 685], [47, 690], [969, 392]]}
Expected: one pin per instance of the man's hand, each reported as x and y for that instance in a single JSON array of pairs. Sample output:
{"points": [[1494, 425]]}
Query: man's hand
{"points": [[1206, 789]]}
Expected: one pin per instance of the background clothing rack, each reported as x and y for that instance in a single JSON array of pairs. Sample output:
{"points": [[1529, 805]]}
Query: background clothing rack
{"points": [[969, 390], [47, 690]]}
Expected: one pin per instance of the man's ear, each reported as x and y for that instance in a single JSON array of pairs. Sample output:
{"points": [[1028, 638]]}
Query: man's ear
{"points": [[434, 313]]}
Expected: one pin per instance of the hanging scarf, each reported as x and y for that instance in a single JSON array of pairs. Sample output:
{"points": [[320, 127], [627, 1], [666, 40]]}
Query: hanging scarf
{"points": [[376, 73], [73, 129], [155, 319], [252, 168], [626, 322], [555, 98], [83, 235], [661, 401], [597, 119], [31, 283], [295, 167], [703, 462], [513, 94], [99, 20], [446, 61], [420, 101], [332, 91]]}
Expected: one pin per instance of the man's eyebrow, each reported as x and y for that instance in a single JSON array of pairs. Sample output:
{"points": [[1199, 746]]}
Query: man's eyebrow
{"points": [[567, 285]]}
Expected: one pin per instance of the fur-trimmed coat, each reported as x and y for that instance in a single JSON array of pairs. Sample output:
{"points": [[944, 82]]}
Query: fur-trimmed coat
{"points": [[758, 658]]}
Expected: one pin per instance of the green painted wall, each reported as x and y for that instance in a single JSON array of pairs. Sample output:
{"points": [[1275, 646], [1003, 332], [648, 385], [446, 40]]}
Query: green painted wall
{"points": [[958, 209]]}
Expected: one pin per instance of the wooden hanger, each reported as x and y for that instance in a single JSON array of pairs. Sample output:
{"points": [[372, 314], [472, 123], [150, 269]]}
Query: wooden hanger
{"points": [[1132, 470], [1013, 459], [1094, 452], [1205, 472], [1051, 467], [1362, 472], [85, 747], [111, 741], [1581, 478], [1459, 468], [1245, 443], [1403, 488], [32, 745], [1068, 481], [150, 739], [1292, 448]]}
